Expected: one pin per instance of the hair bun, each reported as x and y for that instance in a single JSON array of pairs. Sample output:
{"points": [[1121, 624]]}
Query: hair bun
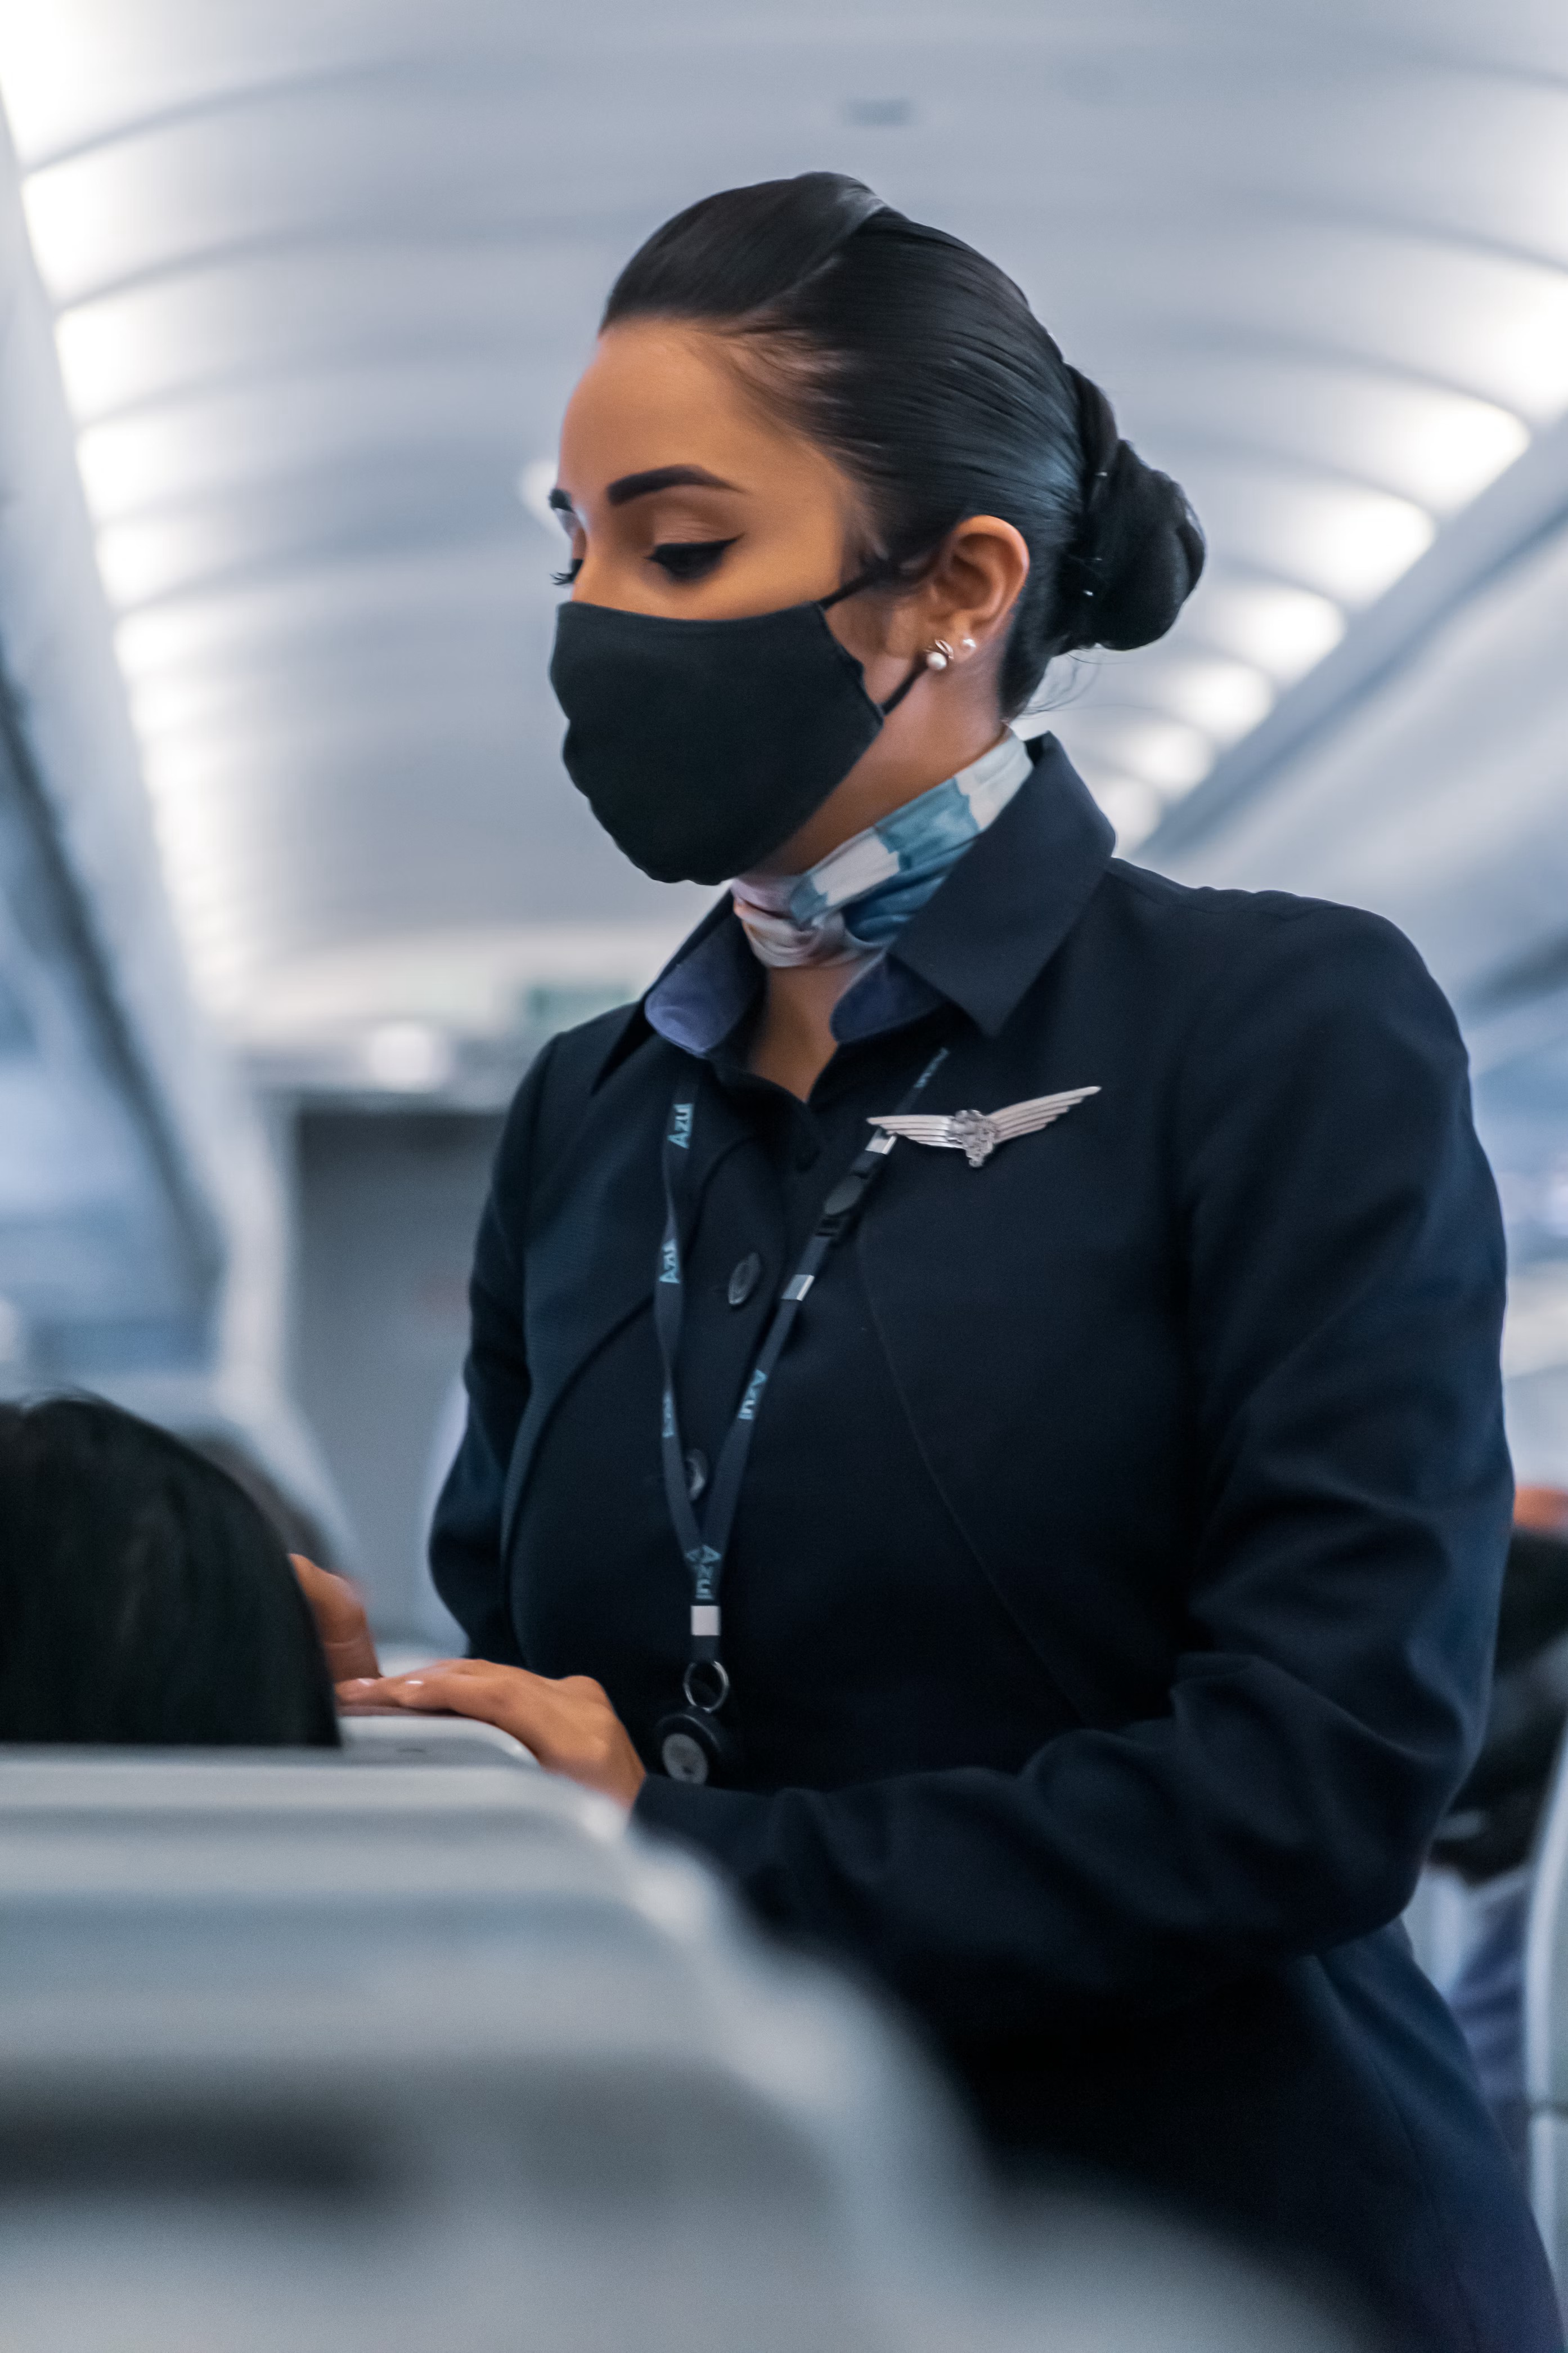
{"points": [[1140, 548]]}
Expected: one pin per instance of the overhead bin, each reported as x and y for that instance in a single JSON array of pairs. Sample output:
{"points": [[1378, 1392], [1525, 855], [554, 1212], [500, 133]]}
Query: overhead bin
{"points": [[128, 1146]]}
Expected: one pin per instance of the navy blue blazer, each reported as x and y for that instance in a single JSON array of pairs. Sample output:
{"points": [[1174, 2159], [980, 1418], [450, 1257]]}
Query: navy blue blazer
{"points": [[1211, 1393]]}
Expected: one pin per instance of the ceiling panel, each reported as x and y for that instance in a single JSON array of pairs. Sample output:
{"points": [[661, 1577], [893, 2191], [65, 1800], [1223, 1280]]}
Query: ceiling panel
{"points": [[324, 275]]}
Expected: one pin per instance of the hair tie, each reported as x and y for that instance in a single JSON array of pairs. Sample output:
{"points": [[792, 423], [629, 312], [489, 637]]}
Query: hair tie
{"points": [[1081, 571]]}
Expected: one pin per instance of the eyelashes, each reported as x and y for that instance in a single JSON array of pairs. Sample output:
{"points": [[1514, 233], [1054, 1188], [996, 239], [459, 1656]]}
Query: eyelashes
{"points": [[684, 560]]}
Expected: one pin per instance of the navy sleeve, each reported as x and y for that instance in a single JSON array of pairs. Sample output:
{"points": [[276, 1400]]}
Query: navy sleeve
{"points": [[466, 1533], [1341, 1263]]}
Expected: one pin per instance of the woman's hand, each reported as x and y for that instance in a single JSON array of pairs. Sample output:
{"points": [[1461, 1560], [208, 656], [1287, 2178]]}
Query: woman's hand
{"points": [[570, 1726], [340, 1617]]}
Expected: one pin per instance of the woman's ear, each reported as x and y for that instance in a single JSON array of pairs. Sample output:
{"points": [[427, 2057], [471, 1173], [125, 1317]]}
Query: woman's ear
{"points": [[970, 590]]}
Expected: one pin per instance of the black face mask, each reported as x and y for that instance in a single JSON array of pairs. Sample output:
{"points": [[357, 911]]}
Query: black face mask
{"points": [[700, 745]]}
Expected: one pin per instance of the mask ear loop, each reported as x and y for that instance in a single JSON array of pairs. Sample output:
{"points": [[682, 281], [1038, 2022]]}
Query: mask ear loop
{"points": [[872, 574], [898, 694]]}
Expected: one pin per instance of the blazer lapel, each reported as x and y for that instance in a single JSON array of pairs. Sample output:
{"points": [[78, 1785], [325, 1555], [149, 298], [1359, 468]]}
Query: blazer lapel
{"points": [[594, 1234], [987, 1286]]}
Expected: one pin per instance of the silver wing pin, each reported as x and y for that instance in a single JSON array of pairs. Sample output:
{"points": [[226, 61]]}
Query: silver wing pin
{"points": [[977, 1133]]}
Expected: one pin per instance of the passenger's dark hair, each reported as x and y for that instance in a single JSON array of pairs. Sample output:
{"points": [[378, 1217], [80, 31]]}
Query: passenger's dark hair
{"points": [[144, 1598], [299, 1530], [920, 365]]}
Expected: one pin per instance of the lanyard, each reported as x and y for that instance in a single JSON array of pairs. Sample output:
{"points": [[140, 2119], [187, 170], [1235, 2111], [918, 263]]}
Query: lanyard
{"points": [[705, 1542]]}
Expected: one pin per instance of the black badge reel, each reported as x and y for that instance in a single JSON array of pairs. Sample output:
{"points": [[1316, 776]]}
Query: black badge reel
{"points": [[693, 1746]]}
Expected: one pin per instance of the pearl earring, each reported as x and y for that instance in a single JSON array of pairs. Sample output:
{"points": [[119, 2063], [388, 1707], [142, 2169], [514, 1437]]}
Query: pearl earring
{"points": [[939, 655], [968, 643]]}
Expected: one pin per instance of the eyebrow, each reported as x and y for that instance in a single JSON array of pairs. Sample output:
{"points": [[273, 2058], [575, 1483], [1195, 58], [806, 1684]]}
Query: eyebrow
{"points": [[643, 486], [663, 478]]}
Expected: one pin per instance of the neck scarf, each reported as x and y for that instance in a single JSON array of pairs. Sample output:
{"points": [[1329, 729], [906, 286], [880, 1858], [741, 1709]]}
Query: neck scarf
{"points": [[847, 907]]}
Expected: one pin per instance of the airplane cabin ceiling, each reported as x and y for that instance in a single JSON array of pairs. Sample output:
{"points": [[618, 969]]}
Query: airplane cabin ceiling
{"points": [[325, 274]]}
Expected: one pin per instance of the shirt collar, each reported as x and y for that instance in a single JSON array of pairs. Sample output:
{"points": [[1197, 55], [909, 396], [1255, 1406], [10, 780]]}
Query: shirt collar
{"points": [[980, 944], [708, 984]]}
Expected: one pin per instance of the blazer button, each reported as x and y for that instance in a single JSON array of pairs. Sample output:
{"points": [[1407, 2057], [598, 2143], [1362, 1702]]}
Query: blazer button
{"points": [[743, 1282]]}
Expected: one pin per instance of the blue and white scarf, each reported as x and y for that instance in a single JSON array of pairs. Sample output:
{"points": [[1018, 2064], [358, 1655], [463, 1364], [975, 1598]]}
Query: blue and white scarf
{"points": [[848, 906]]}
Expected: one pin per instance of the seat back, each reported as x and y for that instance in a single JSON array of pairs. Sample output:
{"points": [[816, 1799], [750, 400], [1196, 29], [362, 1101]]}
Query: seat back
{"points": [[398, 1736], [455, 2034], [1546, 2023], [300, 2057]]}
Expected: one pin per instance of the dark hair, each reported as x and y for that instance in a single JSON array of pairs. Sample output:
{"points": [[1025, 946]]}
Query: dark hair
{"points": [[142, 1596], [921, 367], [297, 1529]]}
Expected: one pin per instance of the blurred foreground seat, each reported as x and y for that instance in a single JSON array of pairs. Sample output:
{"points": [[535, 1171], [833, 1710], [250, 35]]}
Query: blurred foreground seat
{"points": [[1546, 2026], [397, 1738], [298, 2056]]}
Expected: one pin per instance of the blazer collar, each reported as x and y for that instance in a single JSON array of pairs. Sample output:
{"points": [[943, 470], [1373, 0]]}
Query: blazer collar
{"points": [[1011, 900], [988, 933]]}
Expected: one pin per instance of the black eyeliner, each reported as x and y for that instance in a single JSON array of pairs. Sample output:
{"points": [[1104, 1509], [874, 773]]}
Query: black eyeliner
{"points": [[703, 555]]}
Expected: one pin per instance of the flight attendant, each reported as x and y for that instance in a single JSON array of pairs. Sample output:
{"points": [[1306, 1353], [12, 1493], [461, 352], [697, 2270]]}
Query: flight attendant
{"points": [[984, 1398]]}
